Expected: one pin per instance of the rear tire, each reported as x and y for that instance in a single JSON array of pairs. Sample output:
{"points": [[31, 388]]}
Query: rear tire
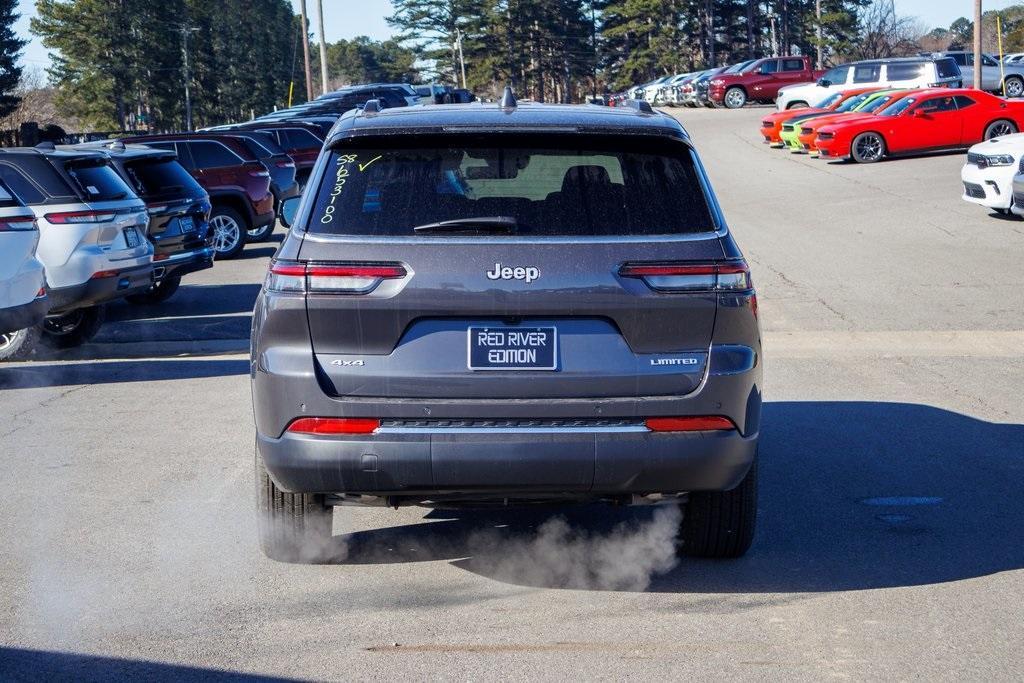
{"points": [[20, 345], [157, 294], [1014, 86], [293, 527], [720, 524], [229, 232], [1000, 127], [68, 330]]}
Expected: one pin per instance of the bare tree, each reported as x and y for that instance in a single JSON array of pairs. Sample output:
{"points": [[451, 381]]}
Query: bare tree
{"points": [[883, 33]]}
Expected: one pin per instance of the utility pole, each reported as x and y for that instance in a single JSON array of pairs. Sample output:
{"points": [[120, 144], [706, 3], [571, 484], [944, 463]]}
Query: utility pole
{"points": [[305, 51], [185, 30], [817, 31], [462, 61], [977, 45], [775, 44], [323, 48]]}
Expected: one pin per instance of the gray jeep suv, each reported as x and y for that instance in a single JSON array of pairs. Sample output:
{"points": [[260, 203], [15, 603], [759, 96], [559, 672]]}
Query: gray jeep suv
{"points": [[502, 304]]}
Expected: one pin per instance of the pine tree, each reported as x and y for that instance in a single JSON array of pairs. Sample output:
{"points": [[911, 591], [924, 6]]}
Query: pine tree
{"points": [[10, 47]]}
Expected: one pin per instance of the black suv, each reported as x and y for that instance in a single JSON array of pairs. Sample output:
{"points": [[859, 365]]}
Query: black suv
{"points": [[499, 304], [179, 213]]}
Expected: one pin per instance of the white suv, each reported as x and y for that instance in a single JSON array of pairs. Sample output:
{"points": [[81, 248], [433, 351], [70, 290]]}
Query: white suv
{"points": [[92, 234], [23, 300], [905, 72]]}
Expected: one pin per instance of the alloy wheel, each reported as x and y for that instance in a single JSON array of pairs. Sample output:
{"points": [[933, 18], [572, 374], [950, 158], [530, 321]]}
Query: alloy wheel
{"points": [[1000, 128], [869, 147], [226, 233], [6, 339], [734, 99], [1014, 87]]}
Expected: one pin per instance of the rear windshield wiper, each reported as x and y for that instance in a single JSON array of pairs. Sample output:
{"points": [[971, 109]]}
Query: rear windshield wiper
{"points": [[505, 224]]}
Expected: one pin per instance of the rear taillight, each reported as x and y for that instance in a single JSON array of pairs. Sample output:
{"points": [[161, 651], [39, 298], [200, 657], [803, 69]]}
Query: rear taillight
{"points": [[17, 224], [325, 426], [693, 423], [66, 217], [331, 278], [691, 277]]}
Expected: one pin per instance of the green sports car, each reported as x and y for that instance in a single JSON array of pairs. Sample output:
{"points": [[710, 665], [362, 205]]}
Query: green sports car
{"points": [[864, 103]]}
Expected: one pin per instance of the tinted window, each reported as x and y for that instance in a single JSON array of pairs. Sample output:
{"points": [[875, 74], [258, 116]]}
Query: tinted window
{"points": [[904, 72], [260, 145], [792, 65], [769, 67], [553, 190], [206, 154], [947, 68], [988, 61], [97, 181], [7, 200], [960, 59], [866, 73], [963, 101], [938, 104], [20, 185], [297, 138], [837, 75], [155, 177]]}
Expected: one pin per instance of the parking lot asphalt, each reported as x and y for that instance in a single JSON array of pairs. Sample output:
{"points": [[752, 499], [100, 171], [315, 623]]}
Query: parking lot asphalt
{"points": [[892, 452]]}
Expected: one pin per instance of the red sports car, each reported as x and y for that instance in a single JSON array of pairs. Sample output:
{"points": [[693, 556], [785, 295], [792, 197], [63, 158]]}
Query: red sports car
{"points": [[771, 126], [935, 119]]}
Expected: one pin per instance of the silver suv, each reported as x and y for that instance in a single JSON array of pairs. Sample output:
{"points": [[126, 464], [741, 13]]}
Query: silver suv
{"points": [[92, 234], [499, 304]]}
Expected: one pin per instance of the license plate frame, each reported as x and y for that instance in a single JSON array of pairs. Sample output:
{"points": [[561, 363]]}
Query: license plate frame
{"points": [[132, 238], [525, 341]]}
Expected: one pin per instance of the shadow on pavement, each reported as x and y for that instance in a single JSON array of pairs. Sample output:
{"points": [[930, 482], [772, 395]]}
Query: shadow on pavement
{"points": [[854, 495], [191, 301], [17, 664], [35, 375]]}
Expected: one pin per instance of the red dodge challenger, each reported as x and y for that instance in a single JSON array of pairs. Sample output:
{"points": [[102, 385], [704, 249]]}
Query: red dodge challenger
{"points": [[929, 120], [771, 125]]}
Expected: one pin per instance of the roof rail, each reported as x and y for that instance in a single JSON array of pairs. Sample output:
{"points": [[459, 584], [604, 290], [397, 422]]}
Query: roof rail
{"points": [[642, 106], [115, 145]]}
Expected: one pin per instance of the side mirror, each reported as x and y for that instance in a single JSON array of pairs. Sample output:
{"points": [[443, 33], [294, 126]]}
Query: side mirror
{"points": [[289, 208], [824, 82], [919, 113]]}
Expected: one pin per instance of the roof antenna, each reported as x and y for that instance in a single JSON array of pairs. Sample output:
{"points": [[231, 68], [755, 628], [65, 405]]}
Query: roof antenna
{"points": [[508, 99]]}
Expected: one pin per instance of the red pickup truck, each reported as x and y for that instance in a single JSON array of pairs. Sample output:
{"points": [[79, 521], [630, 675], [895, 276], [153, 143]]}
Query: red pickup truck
{"points": [[760, 81]]}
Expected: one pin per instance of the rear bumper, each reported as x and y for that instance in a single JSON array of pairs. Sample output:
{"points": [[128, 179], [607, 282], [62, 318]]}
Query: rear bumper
{"points": [[183, 263], [23, 316], [101, 290], [511, 463]]}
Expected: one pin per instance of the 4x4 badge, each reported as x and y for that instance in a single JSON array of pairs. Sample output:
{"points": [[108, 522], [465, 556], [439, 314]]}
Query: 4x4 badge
{"points": [[357, 363]]}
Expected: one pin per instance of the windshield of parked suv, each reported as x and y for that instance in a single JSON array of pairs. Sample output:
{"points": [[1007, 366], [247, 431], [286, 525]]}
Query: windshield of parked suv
{"points": [[97, 181], [160, 177], [622, 188], [897, 108]]}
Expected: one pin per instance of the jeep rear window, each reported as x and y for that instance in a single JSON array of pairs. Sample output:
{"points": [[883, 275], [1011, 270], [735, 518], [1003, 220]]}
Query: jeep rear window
{"points": [[160, 177], [574, 189], [97, 181]]}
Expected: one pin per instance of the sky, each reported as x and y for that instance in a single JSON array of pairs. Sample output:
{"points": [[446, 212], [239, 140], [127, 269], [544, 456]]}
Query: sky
{"points": [[351, 18]]}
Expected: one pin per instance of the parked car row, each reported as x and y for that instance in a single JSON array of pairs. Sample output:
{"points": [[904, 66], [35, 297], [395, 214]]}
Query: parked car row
{"points": [[791, 82], [81, 226], [869, 125]]}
